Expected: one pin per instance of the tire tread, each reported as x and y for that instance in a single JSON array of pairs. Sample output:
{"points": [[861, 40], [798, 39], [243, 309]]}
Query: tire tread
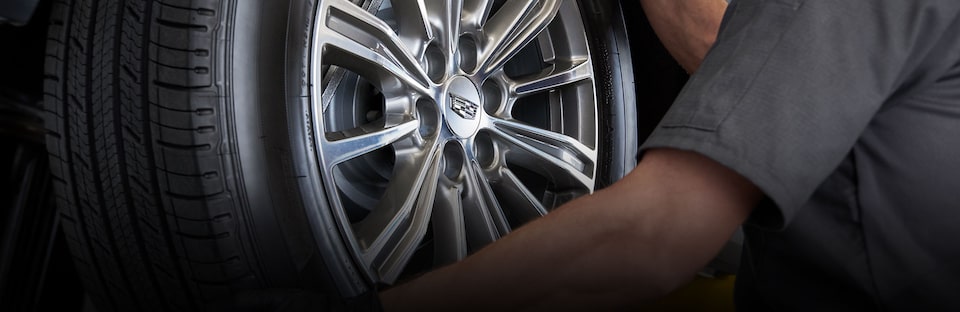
{"points": [[134, 119]]}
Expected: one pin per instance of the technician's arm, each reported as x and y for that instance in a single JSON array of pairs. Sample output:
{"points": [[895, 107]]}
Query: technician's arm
{"points": [[687, 28], [637, 239]]}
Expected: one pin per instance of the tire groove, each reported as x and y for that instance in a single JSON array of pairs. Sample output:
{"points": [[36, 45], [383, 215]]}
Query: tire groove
{"points": [[120, 129], [151, 227], [199, 52], [129, 131], [196, 69], [187, 8], [196, 197], [179, 273], [176, 87], [173, 24], [94, 152], [199, 128], [216, 236], [115, 132], [200, 111], [187, 175], [223, 217], [67, 142], [185, 147]]}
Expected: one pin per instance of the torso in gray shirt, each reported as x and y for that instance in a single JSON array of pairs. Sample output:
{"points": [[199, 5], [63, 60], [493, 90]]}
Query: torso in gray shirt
{"points": [[847, 115]]}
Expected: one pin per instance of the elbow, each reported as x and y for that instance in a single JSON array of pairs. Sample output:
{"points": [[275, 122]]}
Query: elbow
{"points": [[663, 282], [697, 53], [666, 263], [648, 289], [655, 271]]}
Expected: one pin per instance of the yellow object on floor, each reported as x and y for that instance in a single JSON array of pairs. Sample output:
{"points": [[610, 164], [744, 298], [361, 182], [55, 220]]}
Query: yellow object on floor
{"points": [[703, 294]]}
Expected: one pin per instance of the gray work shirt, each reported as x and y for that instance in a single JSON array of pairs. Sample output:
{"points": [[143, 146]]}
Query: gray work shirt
{"points": [[846, 113]]}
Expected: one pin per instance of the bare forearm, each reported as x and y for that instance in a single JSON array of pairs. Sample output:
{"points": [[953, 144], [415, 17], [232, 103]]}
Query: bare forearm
{"points": [[536, 265], [687, 28], [614, 247], [541, 264]]}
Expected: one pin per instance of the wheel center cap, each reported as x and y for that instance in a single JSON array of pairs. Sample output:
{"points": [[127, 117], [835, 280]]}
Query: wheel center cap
{"points": [[462, 106]]}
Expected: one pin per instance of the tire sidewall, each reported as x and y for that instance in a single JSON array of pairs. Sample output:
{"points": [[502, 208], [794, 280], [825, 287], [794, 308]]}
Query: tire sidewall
{"points": [[268, 53], [342, 272], [616, 94]]}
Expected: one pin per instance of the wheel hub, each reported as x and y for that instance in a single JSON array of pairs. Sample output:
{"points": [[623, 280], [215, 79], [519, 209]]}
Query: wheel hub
{"points": [[461, 106], [484, 117]]}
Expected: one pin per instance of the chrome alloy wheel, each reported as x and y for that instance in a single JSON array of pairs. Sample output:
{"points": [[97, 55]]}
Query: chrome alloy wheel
{"points": [[440, 125]]}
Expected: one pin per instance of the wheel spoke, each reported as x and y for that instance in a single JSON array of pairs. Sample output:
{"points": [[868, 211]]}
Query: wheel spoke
{"points": [[447, 15], [474, 13], [523, 204], [574, 160], [449, 231], [425, 20], [355, 39], [483, 227], [515, 25], [415, 30], [398, 223], [480, 188], [341, 146], [561, 74]]}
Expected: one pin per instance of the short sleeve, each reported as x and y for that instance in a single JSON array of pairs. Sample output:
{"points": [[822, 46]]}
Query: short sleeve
{"points": [[790, 85]]}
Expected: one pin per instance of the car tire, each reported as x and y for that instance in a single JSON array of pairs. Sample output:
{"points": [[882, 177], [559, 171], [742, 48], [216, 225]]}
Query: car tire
{"points": [[182, 137]]}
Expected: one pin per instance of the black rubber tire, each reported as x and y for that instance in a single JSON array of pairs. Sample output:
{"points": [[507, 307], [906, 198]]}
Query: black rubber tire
{"points": [[178, 134], [616, 92], [165, 189]]}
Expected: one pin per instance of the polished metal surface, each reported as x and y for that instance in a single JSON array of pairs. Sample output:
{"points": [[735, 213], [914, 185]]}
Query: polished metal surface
{"points": [[441, 125]]}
